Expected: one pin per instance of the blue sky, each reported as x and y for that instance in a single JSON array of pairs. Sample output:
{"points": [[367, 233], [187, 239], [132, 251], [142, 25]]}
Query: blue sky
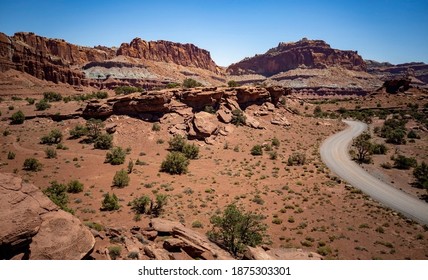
{"points": [[383, 30]]}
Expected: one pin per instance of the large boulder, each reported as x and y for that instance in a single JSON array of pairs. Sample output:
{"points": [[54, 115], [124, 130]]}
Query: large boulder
{"points": [[205, 124], [33, 227]]}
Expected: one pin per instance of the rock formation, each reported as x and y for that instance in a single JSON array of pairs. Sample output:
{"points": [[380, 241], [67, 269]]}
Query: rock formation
{"points": [[33, 227], [416, 71], [304, 53]]}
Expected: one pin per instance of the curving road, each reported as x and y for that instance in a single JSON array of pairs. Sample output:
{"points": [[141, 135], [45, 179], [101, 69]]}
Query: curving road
{"points": [[334, 153]]}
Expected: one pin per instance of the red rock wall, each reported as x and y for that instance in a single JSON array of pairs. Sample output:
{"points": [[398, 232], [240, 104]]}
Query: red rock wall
{"points": [[287, 56]]}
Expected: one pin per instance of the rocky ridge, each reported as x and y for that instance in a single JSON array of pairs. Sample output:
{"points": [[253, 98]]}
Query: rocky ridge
{"points": [[33, 227]]}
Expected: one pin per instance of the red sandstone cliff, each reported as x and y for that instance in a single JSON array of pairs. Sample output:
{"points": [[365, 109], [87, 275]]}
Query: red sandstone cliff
{"points": [[288, 56]]}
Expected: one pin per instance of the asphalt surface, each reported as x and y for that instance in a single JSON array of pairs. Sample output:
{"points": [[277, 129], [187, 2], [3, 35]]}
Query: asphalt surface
{"points": [[334, 153]]}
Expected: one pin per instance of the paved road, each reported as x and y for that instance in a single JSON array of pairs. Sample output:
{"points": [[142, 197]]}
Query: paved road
{"points": [[334, 153]]}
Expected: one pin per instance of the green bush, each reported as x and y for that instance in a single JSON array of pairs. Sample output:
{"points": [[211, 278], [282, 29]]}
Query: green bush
{"points": [[379, 149], [18, 117], [191, 83], [296, 158], [127, 90], [173, 85], [421, 176], [273, 155], [238, 117], [30, 101], [156, 127], [413, 135], [191, 151], [141, 205], [94, 127], [10, 155], [103, 141], [110, 203], [50, 152], [57, 193], [121, 179], [257, 150], [235, 229], [394, 131], [175, 163], [32, 164], [54, 137], [42, 105], [232, 83], [52, 96], [116, 156], [114, 252], [78, 131], [74, 186], [197, 224], [177, 143], [275, 142], [403, 162]]}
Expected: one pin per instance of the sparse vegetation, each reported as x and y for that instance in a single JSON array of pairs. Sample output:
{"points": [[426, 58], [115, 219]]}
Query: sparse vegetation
{"points": [[116, 156], [18, 117], [121, 179], [403, 162], [145, 205], [78, 131], [394, 131], [236, 229], [296, 158], [11, 155], [32, 164], [42, 105], [110, 203], [238, 117], [127, 90], [54, 137], [58, 194], [52, 96], [114, 252], [421, 176], [156, 127], [363, 147], [103, 141], [74, 186], [175, 163], [257, 150], [50, 152], [232, 83], [191, 83]]}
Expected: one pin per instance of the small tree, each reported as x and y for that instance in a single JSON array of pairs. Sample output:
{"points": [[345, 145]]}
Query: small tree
{"points": [[363, 147], [175, 163], [421, 176], [238, 117], [257, 150], [232, 83], [141, 205], [18, 117], [52, 96], [116, 156], [94, 128], [32, 164], [103, 141], [57, 193], [74, 186], [110, 203], [235, 229], [161, 201], [121, 179], [11, 155]]}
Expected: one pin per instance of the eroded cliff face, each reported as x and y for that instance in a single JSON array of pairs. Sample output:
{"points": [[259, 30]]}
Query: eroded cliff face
{"points": [[165, 51], [61, 62], [304, 53]]}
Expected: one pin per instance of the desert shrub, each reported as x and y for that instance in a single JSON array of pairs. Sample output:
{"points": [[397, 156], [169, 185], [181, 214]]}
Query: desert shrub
{"points": [[413, 135], [83, 97], [6, 132], [11, 155], [114, 252], [363, 147], [94, 225], [52, 96], [116, 156], [78, 131], [11, 107], [94, 127], [110, 203], [30, 101], [121, 179], [32, 164], [296, 158], [130, 166], [209, 109], [273, 155], [175, 163], [54, 137], [394, 131], [379, 149], [141, 205], [403, 162], [232, 83], [191, 83], [197, 224], [238, 117], [257, 150], [57, 193], [42, 105], [50, 152], [386, 165], [191, 151], [18, 117], [127, 90], [317, 111], [324, 250], [421, 176], [156, 127], [177, 143], [74, 186], [173, 85], [103, 141], [161, 200], [235, 229], [275, 142]]}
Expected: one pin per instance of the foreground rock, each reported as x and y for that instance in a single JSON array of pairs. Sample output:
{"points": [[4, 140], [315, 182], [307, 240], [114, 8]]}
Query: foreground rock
{"points": [[33, 227]]}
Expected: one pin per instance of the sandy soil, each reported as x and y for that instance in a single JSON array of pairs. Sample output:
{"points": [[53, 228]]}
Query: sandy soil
{"points": [[303, 206]]}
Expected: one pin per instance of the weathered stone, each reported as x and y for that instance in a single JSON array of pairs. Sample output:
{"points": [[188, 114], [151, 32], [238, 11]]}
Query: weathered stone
{"points": [[156, 253], [280, 120], [205, 124], [224, 115], [111, 128], [164, 226], [251, 121]]}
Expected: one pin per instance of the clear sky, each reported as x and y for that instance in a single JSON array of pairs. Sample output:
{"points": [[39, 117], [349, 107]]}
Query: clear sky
{"points": [[383, 30]]}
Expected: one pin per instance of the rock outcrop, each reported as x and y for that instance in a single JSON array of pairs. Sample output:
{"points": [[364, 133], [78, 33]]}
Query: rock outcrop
{"points": [[33, 227], [304, 53], [416, 71]]}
